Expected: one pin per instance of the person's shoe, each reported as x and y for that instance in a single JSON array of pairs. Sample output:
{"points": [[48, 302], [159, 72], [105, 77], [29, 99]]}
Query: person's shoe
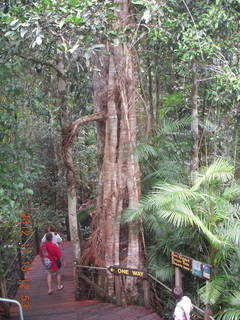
{"points": [[50, 292], [61, 287]]}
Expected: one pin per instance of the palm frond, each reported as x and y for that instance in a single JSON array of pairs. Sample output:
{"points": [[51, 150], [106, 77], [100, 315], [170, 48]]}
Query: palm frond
{"points": [[145, 151], [173, 127], [234, 299], [169, 205], [232, 192], [132, 214], [225, 209], [229, 314], [177, 192], [152, 223], [183, 216], [162, 271], [231, 232], [166, 171], [211, 291], [179, 217], [163, 236], [215, 241], [220, 170]]}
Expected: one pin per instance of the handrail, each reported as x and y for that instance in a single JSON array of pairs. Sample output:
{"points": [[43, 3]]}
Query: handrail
{"points": [[15, 271], [16, 256], [14, 301], [150, 276], [9, 267], [158, 281], [89, 267], [29, 237]]}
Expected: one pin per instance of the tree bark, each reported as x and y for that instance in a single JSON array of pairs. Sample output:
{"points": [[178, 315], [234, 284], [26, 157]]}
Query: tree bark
{"points": [[150, 87], [68, 161], [194, 123], [157, 105]]}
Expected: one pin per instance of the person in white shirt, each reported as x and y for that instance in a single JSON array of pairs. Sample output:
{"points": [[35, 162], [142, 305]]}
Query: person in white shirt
{"points": [[183, 307], [56, 237]]}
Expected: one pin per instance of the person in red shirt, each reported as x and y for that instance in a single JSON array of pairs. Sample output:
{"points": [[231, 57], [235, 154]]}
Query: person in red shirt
{"points": [[52, 252]]}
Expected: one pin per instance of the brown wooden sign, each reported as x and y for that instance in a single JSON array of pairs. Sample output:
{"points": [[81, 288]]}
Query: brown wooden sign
{"points": [[181, 261], [128, 272], [197, 268]]}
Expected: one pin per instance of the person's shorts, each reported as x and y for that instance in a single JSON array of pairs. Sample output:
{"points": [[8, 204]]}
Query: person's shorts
{"points": [[53, 272]]}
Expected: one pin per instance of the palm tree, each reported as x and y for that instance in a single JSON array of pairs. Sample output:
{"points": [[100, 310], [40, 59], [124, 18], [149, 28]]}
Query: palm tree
{"points": [[202, 221]]}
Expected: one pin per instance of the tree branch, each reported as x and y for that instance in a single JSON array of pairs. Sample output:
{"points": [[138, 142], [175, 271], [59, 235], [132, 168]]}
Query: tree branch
{"points": [[92, 117], [71, 132], [43, 63]]}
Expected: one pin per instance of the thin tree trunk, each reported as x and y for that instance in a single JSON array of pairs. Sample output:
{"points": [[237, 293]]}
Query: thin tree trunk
{"points": [[157, 107], [150, 89], [68, 161], [236, 148], [54, 146], [194, 123]]}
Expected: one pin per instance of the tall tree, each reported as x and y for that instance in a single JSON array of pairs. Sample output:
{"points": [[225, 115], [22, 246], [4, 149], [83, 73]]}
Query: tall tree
{"points": [[114, 88], [194, 123], [45, 40]]}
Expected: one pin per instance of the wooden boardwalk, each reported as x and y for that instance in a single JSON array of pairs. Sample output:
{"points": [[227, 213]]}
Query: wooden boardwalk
{"points": [[61, 305]]}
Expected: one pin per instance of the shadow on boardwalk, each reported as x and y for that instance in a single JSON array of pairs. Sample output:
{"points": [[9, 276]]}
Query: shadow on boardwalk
{"points": [[61, 305]]}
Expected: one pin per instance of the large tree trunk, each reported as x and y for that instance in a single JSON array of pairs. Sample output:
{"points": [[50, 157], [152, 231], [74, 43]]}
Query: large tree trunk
{"points": [[114, 88]]}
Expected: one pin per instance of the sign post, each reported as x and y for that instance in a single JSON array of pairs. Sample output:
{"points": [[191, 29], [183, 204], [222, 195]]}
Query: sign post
{"points": [[197, 268], [178, 278]]}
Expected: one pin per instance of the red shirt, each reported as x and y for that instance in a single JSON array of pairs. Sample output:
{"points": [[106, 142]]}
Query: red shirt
{"points": [[53, 253]]}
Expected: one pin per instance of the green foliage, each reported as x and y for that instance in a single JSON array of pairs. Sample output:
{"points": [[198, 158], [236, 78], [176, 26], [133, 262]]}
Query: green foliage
{"points": [[205, 220], [161, 157], [229, 314], [51, 27], [19, 166], [200, 220], [220, 171], [212, 290], [145, 151]]}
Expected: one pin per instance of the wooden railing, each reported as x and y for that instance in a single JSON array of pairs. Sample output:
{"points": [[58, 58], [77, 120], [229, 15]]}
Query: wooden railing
{"points": [[154, 291]]}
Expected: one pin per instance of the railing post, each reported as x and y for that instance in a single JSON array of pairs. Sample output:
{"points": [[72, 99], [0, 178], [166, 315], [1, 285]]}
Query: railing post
{"points": [[146, 293], [4, 294], [3, 287], [76, 281], [207, 314], [67, 228], [118, 289], [37, 240], [19, 254]]}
